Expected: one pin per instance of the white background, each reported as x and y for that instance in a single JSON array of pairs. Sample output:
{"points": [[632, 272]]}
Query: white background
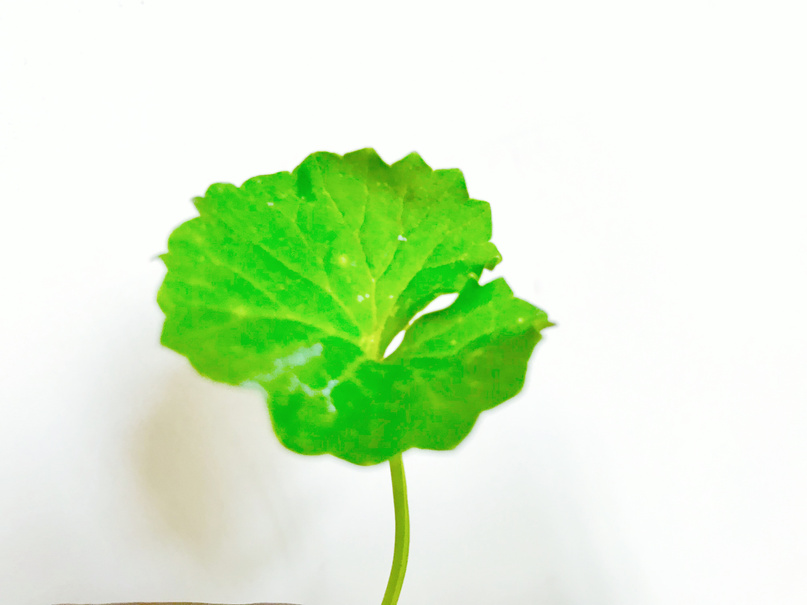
{"points": [[645, 163]]}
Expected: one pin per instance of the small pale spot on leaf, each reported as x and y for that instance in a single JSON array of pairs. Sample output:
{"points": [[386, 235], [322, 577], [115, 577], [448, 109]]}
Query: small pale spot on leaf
{"points": [[401, 238]]}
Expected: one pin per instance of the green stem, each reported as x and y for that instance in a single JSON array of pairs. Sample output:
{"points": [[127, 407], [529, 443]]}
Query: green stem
{"points": [[396, 576]]}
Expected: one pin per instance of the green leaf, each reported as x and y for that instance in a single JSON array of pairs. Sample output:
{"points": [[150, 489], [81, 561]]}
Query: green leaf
{"points": [[297, 282]]}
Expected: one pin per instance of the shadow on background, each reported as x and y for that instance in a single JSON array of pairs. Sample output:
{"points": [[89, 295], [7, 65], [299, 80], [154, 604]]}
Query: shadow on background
{"points": [[206, 465]]}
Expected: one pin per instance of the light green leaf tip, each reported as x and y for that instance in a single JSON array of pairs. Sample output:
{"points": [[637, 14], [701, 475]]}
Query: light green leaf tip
{"points": [[297, 282]]}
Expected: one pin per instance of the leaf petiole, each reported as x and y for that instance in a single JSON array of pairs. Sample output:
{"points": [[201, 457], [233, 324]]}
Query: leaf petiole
{"points": [[401, 556]]}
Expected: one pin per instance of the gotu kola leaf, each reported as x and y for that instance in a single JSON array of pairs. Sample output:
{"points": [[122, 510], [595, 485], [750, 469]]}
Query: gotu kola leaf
{"points": [[297, 282]]}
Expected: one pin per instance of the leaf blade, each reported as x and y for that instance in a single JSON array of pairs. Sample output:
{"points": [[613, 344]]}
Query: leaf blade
{"points": [[295, 283]]}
